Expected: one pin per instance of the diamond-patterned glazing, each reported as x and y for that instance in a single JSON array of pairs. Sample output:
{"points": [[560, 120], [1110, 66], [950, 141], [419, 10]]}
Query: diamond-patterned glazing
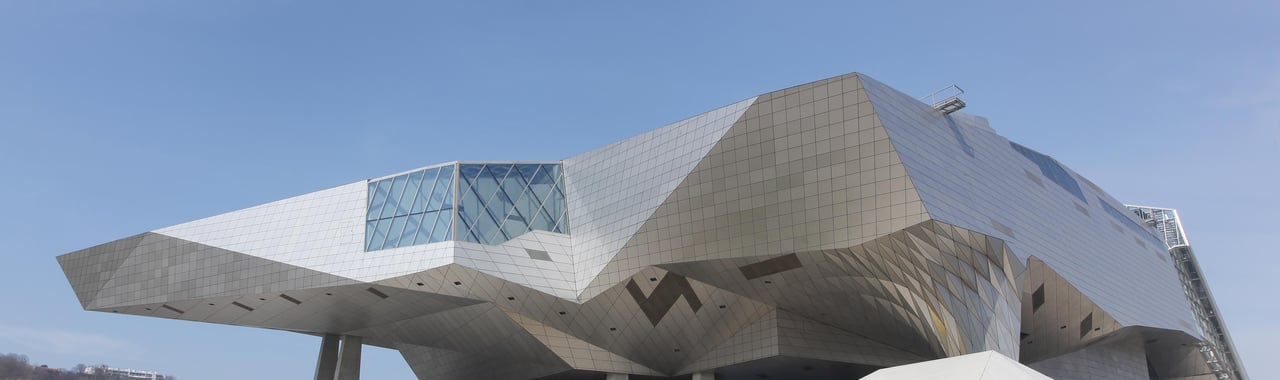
{"points": [[499, 202], [496, 202], [410, 209]]}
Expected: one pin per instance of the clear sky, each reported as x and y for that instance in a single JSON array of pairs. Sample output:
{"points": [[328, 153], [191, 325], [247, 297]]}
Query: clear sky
{"points": [[119, 117]]}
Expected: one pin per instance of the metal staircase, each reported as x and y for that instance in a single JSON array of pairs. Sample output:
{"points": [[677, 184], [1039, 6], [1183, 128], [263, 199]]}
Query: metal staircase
{"points": [[1218, 351]]}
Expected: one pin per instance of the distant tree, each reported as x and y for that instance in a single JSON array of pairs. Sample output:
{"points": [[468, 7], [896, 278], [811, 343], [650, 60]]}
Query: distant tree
{"points": [[46, 373], [100, 373], [18, 367], [14, 366]]}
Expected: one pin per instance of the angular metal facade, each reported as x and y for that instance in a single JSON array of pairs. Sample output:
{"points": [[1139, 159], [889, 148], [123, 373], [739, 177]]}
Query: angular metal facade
{"points": [[834, 227]]}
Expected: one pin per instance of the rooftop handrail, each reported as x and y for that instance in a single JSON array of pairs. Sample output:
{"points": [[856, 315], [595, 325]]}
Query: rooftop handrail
{"points": [[943, 95]]}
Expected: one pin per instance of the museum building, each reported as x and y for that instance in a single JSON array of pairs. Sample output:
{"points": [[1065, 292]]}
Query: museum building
{"points": [[826, 230]]}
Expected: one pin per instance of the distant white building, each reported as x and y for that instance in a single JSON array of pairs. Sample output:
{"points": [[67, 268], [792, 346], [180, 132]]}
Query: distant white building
{"points": [[126, 373]]}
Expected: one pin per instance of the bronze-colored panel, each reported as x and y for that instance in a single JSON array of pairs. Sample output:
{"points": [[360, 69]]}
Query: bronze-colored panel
{"points": [[664, 296]]}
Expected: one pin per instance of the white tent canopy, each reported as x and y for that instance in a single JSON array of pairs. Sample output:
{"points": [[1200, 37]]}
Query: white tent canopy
{"points": [[986, 365]]}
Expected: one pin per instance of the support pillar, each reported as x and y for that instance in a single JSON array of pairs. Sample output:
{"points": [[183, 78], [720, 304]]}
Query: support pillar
{"points": [[349, 358], [707, 375], [616, 376], [327, 363]]}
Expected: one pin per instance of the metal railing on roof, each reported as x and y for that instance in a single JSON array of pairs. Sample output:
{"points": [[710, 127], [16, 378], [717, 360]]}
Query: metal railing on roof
{"points": [[946, 99]]}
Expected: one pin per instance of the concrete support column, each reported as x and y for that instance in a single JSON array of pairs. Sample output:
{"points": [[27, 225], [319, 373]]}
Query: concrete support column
{"points": [[616, 376], [327, 363], [349, 358], [707, 375]]}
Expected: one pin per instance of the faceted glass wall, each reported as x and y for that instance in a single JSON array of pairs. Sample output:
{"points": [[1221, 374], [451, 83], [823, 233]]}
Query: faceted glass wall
{"points": [[408, 209], [495, 203], [498, 202]]}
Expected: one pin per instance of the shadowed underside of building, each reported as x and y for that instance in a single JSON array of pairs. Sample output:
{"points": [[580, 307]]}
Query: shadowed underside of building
{"points": [[821, 231]]}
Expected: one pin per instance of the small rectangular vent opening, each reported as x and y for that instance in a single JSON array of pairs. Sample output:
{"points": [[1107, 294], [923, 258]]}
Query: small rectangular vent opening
{"points": [[538, 255], [291, 299], [173, 309], [242, 306], [771, 266], [378, 293]]}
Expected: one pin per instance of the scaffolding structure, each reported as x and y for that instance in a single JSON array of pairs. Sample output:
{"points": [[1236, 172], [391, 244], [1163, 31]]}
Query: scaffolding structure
{"points": [[1218, 350]]}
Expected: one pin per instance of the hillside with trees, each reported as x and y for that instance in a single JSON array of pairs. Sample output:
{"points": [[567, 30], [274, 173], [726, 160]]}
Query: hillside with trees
{"points": [[18, 367]]}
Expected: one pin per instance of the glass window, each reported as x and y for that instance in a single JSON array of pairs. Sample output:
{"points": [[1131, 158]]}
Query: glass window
{"points": [[503, 201], [495, 203], [379, 234], [410, 194], [377, 197], [443, 230], [393, 234], [403, 210], [393, 197], [442, 194], [411, 226], [424, 191], [428, 223]]}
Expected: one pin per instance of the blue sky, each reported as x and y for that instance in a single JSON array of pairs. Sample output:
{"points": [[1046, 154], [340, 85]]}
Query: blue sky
{"points": [[119, 117]]}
